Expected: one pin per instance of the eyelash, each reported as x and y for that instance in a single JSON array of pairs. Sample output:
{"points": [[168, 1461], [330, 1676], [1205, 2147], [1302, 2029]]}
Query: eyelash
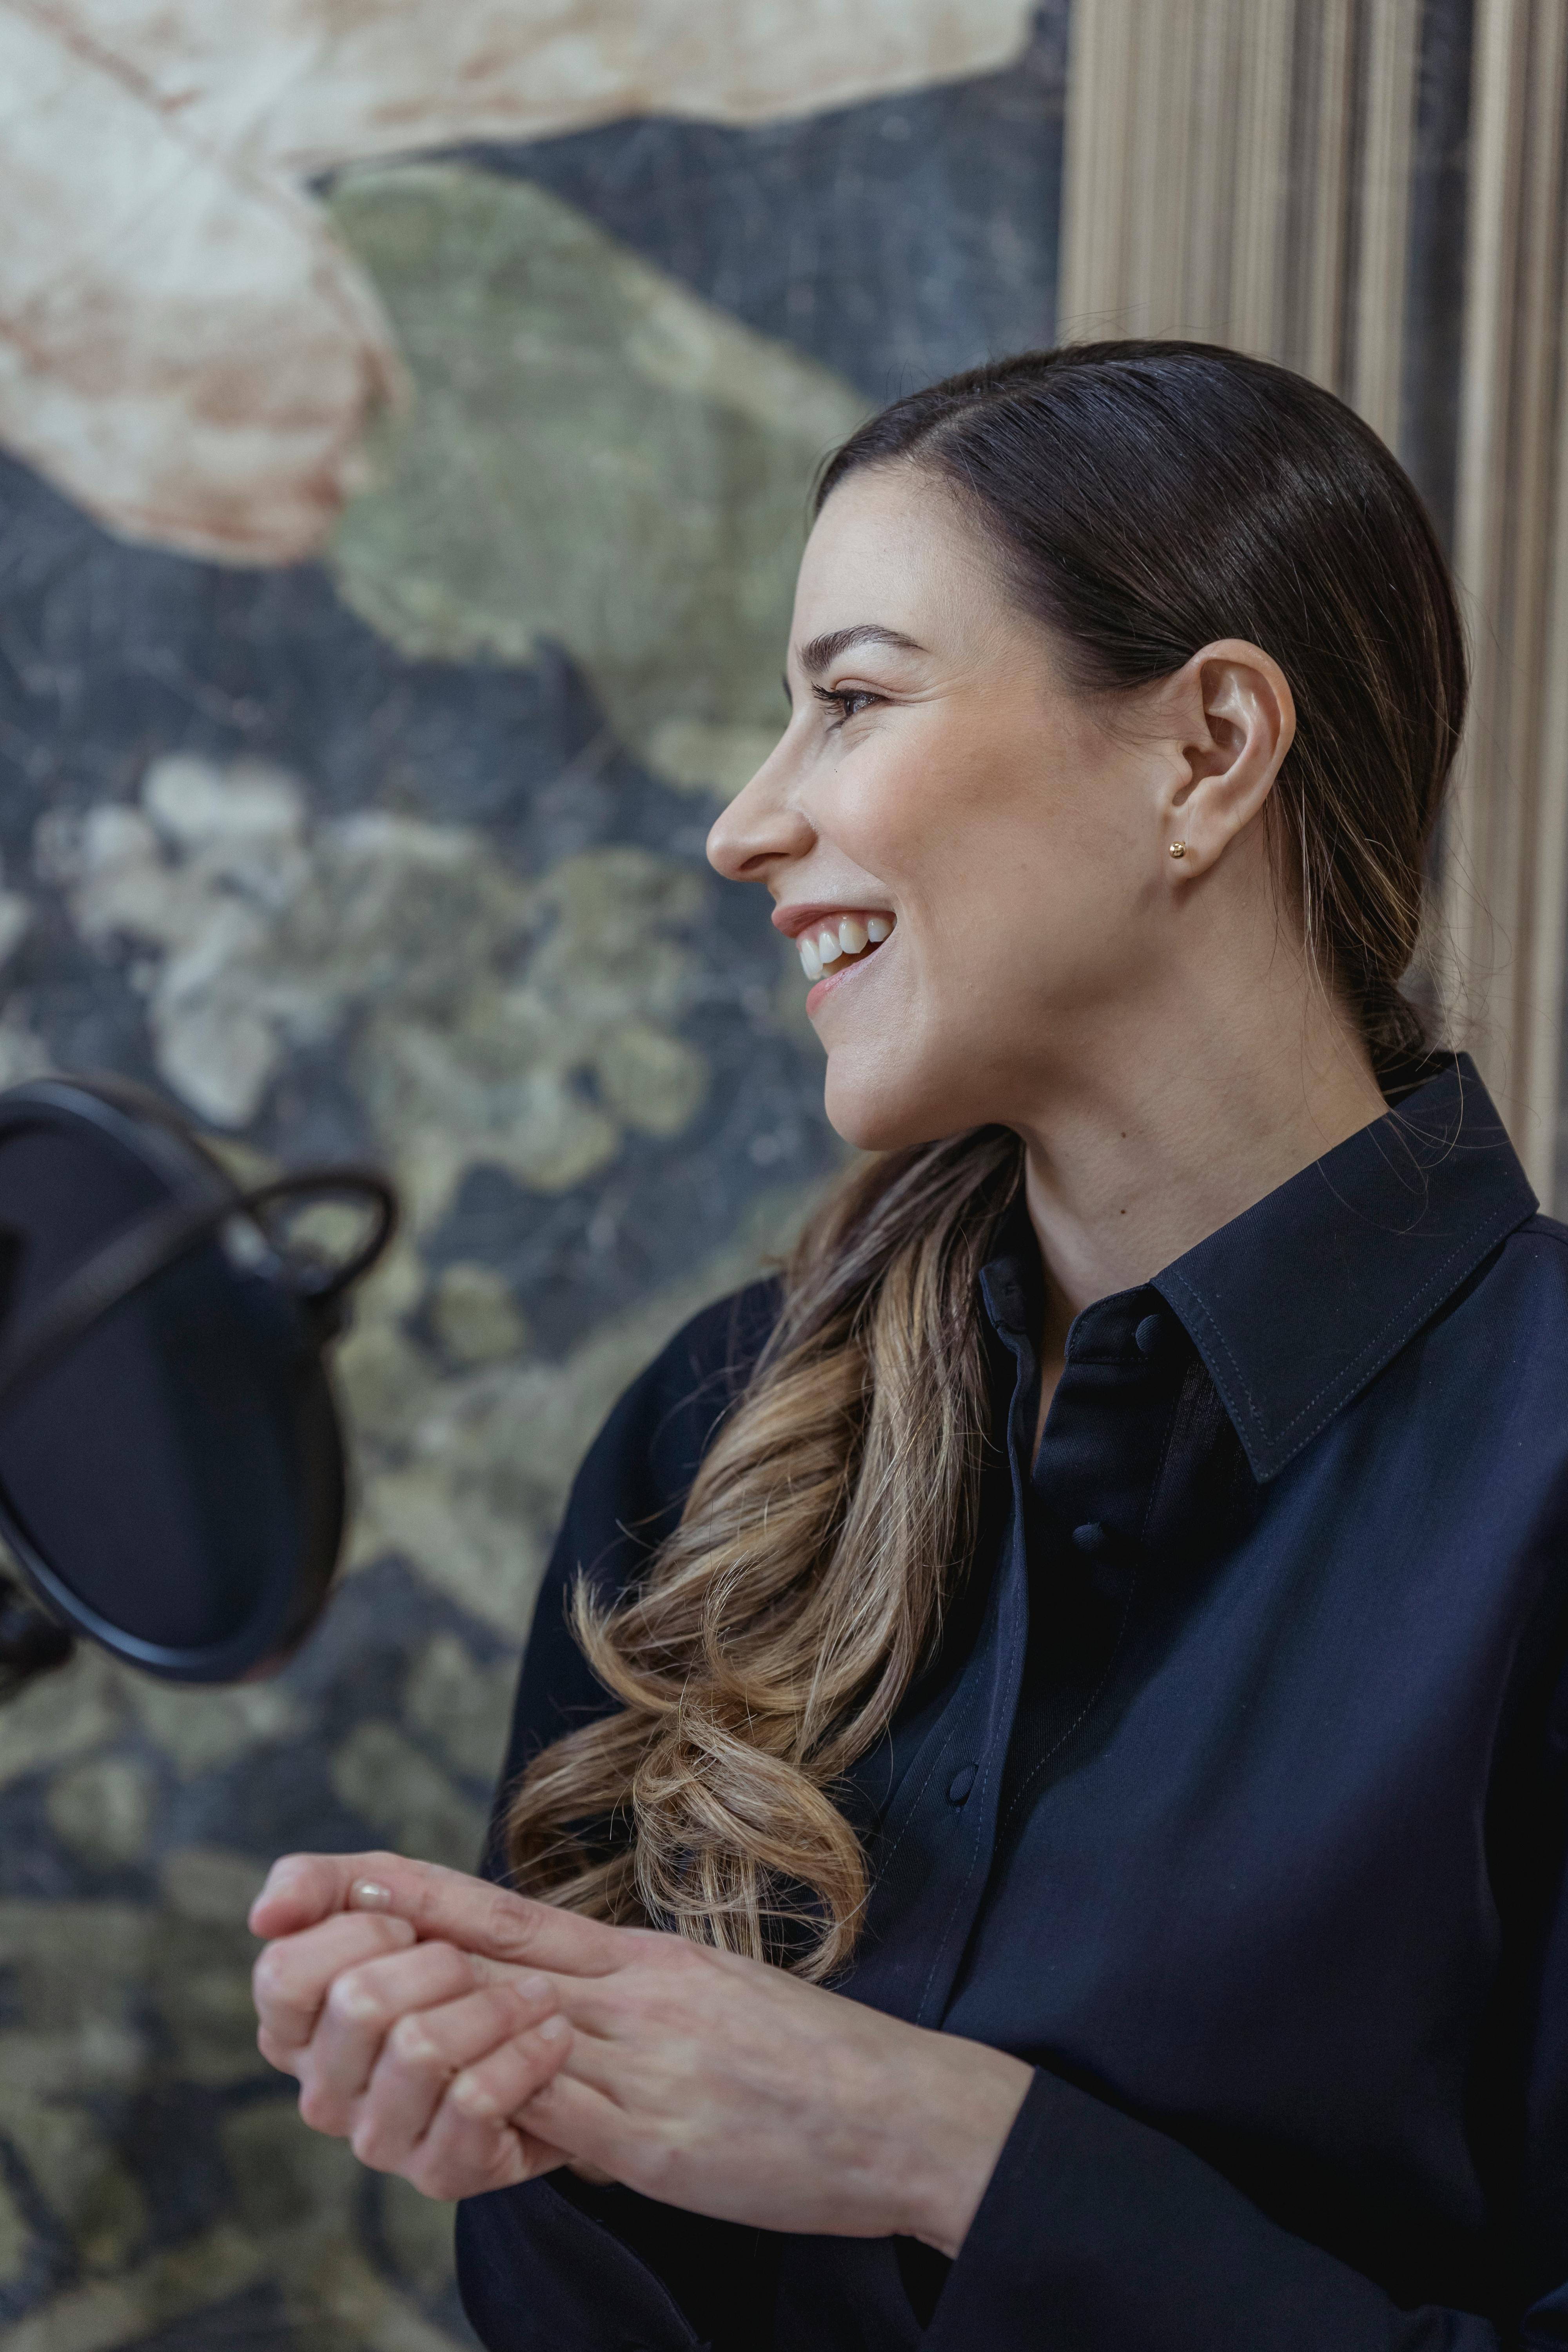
{"points": [[842, 699]]}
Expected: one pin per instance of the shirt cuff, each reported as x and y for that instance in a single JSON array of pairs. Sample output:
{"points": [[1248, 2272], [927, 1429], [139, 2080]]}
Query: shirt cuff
{"points": [[1097, 2232]]}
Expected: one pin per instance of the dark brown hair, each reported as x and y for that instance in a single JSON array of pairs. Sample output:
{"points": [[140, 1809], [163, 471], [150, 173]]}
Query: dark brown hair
{"points": [[1146, 498]]}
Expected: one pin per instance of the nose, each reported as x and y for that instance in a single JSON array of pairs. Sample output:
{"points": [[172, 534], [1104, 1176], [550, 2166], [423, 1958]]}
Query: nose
{"points": [[764, 826]]}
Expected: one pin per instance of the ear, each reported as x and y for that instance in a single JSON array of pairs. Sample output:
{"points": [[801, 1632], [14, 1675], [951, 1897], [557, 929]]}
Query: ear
{"points": [[1229, 721]]}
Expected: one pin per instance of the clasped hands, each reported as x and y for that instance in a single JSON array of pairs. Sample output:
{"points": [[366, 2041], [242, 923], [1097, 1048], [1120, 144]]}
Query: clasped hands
{"points": [[469, 2039]]}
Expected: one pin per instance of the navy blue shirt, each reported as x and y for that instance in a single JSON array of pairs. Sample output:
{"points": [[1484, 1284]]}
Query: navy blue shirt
{"points": [[1235, 1803]]}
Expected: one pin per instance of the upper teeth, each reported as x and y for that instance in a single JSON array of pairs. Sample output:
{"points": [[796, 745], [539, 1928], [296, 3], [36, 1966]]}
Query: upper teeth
{"points": [[821, 948]]}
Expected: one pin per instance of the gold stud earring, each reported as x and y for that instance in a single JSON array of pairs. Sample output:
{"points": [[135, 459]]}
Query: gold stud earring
{"points": [[1178, 848]]}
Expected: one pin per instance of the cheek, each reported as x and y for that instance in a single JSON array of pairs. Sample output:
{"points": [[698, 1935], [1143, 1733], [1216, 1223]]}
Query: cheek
{"points": [[934, 799], [1024, 895], [1013, 879]]}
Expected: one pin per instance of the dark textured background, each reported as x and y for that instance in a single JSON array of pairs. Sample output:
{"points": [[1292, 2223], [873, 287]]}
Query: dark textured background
{"points": [[520, 986], [402, 854]]}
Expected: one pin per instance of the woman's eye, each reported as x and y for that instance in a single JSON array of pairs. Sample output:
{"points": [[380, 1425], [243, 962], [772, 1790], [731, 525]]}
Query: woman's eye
{"points": [[849, 701]]}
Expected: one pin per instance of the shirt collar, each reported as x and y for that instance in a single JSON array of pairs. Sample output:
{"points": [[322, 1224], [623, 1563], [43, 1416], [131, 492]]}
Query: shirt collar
{"points": [[1298, 1303]]}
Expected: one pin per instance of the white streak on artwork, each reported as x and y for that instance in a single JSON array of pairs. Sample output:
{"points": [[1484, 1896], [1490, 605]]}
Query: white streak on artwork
{"points": [[183, 347]]}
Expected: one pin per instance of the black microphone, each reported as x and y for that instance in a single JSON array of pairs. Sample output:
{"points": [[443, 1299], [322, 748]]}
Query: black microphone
{"points": [[172, 1474]]}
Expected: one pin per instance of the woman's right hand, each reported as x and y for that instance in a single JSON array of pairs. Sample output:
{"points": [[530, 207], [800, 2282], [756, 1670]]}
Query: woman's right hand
{"points": [[355, 2005]]}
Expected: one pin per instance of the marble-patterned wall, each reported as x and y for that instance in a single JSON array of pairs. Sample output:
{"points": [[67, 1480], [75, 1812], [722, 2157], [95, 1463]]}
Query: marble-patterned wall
{"points": [[398, 851]]}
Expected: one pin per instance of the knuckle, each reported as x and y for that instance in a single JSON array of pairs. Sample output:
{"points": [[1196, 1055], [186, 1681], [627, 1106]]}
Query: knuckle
{"points": [[277, 2053], [267, 1976], [511, 2016], [317, 2108], [352, 2000], [507, 1922], [437, 2178], [411, 2045]]}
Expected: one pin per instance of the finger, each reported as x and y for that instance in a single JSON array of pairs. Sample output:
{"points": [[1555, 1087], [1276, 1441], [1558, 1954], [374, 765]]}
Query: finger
{"points": [[362, 2007], [414, 2078], [505, 2084], [502, 1925], [593, 2174], [590, 2128], [275, 2054], [425, 2050], [465, 2159], [460, 2158], [614, 2008], [302, 1889], [451, 1906], [595, 2059], [457, 2141], [290, 1978]]}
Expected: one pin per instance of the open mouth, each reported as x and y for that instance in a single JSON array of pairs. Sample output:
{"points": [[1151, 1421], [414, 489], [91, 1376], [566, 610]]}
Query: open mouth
{"points": [[834, 947]]}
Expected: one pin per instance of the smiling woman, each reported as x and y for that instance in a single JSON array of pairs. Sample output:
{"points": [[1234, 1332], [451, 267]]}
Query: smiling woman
{"points": [[1037, 1804]]}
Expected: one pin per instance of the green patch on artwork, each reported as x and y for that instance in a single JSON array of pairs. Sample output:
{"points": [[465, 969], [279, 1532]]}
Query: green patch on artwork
{"points": [[595, 457]]}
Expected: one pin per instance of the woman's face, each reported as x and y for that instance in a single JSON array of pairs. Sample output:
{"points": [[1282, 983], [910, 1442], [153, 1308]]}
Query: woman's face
{"points": [[973, 860]]}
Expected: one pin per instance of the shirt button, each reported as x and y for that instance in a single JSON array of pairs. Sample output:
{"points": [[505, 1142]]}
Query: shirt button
{"points": [[960, 1785], [1149, 1334], [1090, 1536]]}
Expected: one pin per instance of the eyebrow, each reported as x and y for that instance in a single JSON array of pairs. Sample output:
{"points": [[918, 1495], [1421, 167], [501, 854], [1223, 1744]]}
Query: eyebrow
{"points": [[815, 656]]}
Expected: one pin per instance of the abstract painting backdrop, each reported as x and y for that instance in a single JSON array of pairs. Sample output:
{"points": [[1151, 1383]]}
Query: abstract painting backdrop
{"points": [[395, 546]]}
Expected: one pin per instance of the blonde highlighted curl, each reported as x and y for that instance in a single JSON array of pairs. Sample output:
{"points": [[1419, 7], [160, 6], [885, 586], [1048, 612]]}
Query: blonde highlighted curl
{"points": [[775, 1632]]}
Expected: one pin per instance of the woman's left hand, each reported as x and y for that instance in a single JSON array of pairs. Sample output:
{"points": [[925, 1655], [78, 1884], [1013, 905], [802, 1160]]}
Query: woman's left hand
{"points": [[708, 2081]]}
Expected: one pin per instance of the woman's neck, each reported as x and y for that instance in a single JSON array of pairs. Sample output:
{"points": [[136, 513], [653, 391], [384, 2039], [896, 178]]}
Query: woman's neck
{"points": [[1170, 1138]]}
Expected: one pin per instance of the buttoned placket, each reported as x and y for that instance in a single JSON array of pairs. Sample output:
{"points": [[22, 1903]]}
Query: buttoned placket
{"points": [[1089, 1519], [932, 1858], [933, 1854]]}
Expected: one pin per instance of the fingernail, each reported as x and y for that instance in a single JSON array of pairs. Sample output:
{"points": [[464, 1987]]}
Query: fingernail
{"points": [[553, 2029], [471, 2096], [366, 1895], [531, 1990]]}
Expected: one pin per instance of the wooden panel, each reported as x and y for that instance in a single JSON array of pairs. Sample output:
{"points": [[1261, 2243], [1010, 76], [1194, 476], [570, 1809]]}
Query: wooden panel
{"points": [[1391, 56], [1505, 876], [1262, 176], [1241, 170]]}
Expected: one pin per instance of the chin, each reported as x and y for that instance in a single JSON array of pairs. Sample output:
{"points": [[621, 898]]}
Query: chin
{"points": [[881, 1111]]}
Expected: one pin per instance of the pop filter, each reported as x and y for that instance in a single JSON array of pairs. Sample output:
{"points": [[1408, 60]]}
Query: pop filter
{"points": [[171, 1479]]}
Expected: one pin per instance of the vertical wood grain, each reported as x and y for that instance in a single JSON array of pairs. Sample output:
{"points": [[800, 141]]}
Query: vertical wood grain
{"points": [[1392, 54], [1241, 171], [1506, 875]]}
